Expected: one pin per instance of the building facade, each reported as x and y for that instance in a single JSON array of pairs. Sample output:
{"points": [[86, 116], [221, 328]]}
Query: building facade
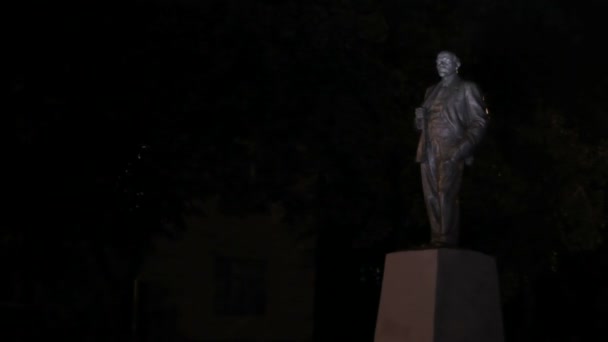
{"points": [[229, 279]]}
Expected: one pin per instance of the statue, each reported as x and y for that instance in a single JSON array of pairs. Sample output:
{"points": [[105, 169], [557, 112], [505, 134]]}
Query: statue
{"points": [[452, 121]]}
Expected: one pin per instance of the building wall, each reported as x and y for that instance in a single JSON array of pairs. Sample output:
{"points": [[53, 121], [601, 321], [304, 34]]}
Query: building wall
{"points": [[187, 271]]}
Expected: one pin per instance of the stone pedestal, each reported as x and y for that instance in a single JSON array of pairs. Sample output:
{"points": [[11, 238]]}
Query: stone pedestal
{"points": [[439, 295]]}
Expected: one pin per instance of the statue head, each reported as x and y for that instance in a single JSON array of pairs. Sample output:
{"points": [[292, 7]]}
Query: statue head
{"points": [[447, 64]]}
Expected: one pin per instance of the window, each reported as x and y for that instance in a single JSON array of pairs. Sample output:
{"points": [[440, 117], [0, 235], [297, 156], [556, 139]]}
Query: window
{"points": [[240, 286]]}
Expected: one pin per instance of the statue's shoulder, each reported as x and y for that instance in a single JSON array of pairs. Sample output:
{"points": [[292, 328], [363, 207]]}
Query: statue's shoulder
{"points": [[467, 83], [471, 87]]}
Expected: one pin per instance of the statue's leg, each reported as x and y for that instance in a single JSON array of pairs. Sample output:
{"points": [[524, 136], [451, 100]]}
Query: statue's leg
{"points": [[428, 171], [450, 179]]}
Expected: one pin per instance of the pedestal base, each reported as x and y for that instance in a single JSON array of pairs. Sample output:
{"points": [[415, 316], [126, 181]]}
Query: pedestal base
{"points": [[439, 295]]}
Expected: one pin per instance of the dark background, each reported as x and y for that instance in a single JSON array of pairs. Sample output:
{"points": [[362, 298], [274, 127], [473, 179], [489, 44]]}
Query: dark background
{"points": [[123, 111]]}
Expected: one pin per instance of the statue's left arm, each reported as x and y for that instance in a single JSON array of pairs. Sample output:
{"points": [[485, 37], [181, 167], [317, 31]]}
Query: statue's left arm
{"points": [[476, 119]]}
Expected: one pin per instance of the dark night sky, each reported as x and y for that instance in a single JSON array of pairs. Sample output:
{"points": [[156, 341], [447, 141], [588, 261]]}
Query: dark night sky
{"points": [[536, 47]]}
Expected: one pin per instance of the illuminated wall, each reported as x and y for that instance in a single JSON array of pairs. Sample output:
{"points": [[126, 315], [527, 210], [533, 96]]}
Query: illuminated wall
{"points": [[232, 278]]}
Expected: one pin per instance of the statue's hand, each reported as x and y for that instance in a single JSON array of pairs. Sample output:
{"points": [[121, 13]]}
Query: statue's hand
{"points": [[462, 151]]}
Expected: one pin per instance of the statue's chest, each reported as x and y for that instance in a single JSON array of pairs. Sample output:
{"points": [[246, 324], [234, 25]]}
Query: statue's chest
{"points": [[445, 97]]}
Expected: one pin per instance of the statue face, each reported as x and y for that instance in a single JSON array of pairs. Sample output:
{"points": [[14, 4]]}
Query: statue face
{"points": [[446, 64]]}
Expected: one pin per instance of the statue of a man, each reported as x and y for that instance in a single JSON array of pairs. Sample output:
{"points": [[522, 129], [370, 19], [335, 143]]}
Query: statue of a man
{"points": [[452, 121]]}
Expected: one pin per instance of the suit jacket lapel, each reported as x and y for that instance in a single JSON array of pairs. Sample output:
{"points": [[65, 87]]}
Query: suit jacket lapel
{"points": [[432, 94]]}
